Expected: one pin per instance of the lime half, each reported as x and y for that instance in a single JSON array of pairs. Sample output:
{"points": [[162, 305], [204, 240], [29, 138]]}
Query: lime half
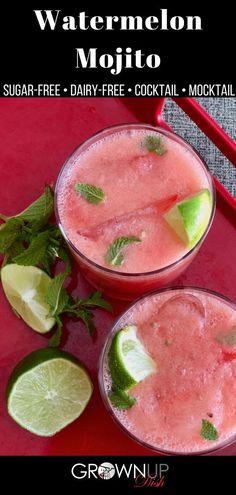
{"points": [[48, 390], [25, 288], [189, 218], [129, 363]]}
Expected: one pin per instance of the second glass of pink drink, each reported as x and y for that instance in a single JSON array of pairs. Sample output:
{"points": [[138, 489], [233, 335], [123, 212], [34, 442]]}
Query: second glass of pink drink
{"points": [[112, 198], [168, 371]]}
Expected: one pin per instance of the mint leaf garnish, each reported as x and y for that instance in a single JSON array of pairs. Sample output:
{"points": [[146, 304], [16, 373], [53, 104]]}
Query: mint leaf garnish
{"points": [[9, 233], [30, 239], [40, 248], [121, 399], [56, 297], [61, 303], [35, 253], [208, 431], [91, 193], [14, 250], [96, 300], [155, 144], [19, 231], [227, 338], [114, 255], [87, 318], [40, 210]]}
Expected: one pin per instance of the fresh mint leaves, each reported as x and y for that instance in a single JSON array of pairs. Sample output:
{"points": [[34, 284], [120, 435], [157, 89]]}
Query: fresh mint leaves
{"points": [[114, 255], [30, 239], [37, 213], [87, 318], [208, 431], [61, 303], [95, 300], [155, 144], [40, 210], [56, 296], [91, 193], [121, 399], [36, 252], [28, 229], [10, 232]]}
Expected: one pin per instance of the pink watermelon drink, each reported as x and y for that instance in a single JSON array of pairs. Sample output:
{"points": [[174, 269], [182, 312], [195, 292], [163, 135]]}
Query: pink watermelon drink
{"points": [[134, 203], [168, 371]]}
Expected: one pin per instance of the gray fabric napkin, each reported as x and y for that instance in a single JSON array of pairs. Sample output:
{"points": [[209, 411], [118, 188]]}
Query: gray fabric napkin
{"points": [[223, 110]]}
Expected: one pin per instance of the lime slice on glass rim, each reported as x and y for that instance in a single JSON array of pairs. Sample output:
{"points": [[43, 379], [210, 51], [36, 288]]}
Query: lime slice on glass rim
{"points": [[189, 218], [129, 363], [48, 390], [25, 287]]}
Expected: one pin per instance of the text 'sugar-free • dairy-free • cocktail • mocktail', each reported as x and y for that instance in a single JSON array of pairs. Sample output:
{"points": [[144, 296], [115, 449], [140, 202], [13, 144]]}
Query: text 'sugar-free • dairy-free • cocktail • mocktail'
{"points": [[169, 370], [134, 204]]}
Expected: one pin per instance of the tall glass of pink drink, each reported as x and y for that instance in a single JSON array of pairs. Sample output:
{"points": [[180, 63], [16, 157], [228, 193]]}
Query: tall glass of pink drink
{"points": [[190, 334], [139, 186]]}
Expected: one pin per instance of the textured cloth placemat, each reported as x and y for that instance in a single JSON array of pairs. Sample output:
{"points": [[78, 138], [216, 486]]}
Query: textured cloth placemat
{"points": [[223, 110]]}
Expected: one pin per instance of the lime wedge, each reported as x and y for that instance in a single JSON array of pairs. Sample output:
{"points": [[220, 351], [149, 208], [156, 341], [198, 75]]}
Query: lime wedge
{"points": [[189, 218], [25, 287], [129, 363], [48, 390]]}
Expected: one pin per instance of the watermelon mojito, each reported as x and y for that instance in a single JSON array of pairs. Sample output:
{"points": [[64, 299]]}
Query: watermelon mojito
{"points": [[134, 202], [167, 373]]}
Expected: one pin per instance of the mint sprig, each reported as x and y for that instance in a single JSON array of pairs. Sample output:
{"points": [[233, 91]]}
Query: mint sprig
{"points": [[56, 296], [36, 252], [19, 231], [30, 239], [114, 255], [95, 300], [155, 144], [10, 232], [121, 399], [40, 210], [15, 249], [92, 194], [208, 431], [61, 302]]}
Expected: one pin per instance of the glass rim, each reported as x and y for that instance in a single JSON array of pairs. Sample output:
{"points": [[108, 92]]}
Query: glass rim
{"points": [[103, 355], [172, 135]]}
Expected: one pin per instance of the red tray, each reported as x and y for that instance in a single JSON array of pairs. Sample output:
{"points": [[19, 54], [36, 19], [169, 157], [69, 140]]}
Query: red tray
{"points": [[36, 137]]}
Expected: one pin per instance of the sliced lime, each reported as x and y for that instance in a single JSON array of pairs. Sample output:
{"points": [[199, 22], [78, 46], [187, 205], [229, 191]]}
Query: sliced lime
{"points": [[189, 218], [48, 390], [25, 287], [129, 363]]}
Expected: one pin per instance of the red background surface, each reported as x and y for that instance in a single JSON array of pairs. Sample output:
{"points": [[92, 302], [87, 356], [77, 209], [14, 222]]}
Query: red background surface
{"points": [[36, 136]]}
